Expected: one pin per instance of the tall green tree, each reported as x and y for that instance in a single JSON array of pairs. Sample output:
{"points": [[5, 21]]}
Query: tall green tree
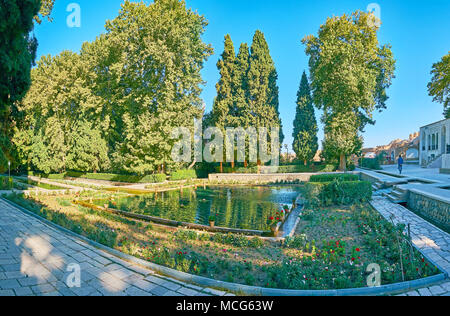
{"points": [[240, 110], [262, 86], [162, 55], [439, 87], [349, 73], [17, 54], [223, 105], [305, 143]]}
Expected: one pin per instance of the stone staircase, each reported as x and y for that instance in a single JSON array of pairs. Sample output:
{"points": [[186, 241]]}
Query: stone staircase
{"points": [[378, 186], [398, 195], [435, 163]]}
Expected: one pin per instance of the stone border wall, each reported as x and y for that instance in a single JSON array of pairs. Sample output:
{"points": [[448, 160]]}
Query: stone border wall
{"points": [[433, 209], [264, 178]]}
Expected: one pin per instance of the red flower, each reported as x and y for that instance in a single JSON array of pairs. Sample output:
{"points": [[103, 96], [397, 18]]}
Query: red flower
{"points": [[358, 250], [353, 259]]}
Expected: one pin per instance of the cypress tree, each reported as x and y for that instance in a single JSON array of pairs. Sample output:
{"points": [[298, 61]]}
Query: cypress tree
{"points": [[305, 143], [262, 86], [223, 104], [17, 53]]}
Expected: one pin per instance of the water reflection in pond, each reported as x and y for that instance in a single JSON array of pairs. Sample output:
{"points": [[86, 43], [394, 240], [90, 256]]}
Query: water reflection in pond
{"points": [[234, 207]]}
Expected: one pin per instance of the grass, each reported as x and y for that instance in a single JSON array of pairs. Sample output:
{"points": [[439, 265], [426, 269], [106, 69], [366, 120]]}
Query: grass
{"points": [[331, 248]]}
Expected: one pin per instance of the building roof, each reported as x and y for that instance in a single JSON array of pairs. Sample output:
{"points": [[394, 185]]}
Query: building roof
{"points": [[431, 124]]}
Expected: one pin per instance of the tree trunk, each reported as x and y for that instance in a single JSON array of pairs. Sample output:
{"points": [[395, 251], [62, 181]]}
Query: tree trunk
{"points": [[245, 163], [221, 167], [232, 165], [343, 163], [305, 162]]}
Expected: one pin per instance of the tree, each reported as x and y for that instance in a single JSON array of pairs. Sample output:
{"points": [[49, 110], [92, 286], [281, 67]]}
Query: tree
{"points": [[262, 87], [17, 54], [88, 150], [45, 11], [305, 142], [223, 104], [350, 73], [162, 55], [439, 87], [341, 138], [114, 105]]}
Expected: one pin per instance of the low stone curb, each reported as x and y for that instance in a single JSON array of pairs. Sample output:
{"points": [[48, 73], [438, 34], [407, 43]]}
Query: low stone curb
{"points": [[239, 288]]}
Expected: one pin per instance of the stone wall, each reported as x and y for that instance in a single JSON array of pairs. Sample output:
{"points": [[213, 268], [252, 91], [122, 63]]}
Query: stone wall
{"points": [[260, 178], [430, 208]]}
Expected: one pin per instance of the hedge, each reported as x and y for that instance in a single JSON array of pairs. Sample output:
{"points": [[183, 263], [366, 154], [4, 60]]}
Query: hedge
{"points": [[332, 177], [153, 178], [337, 193], [185, 174], [289, 168], [371, 163]]}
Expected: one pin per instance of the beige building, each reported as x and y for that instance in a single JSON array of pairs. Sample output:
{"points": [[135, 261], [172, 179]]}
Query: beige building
{"points": [[435, 145]]}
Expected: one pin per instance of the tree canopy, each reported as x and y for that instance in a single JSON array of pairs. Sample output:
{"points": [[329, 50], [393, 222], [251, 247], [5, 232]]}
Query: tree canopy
{"points": [[305, 143], [17, 54], [350, 73], [439, 87], [113, 106]]}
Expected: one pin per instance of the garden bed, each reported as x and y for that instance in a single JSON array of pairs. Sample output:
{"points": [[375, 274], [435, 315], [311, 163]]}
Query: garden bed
{"points": [[331, 249]]}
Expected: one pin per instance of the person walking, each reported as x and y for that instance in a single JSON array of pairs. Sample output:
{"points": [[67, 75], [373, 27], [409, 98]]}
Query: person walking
{"points": [[400, 164]]}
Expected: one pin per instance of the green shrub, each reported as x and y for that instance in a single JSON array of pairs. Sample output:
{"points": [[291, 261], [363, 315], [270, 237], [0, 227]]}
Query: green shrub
{"points": [[184, 174], [332, 177], [371, 163], [337, 192]]}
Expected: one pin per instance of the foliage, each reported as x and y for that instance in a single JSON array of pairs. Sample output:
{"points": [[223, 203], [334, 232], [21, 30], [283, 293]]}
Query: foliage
{"points": [[439, 87], [337, 192], [371, 163], [185, 174], [332, 177], [262, 86], [113, 106], [17, 55], [349, 73], [305, 124]]}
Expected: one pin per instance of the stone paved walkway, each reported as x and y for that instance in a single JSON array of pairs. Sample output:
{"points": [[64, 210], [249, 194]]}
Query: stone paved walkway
{"points": [[35, 259], [432, 241]]}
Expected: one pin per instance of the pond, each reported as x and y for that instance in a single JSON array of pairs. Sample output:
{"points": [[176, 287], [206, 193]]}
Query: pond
{"points": [[233, 207]]}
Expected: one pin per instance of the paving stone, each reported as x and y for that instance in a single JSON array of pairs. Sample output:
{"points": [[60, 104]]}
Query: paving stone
{"points": [[188, 292], [9, 284], [23, 291], [413, 293], [159, 291], [424, 292], [214, 292], [6, 293], [43, 288], [437, 290], [134, 291]]}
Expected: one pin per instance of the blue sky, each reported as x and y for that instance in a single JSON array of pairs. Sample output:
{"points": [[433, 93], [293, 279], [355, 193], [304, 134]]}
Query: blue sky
{"points": [[419, 32]]}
